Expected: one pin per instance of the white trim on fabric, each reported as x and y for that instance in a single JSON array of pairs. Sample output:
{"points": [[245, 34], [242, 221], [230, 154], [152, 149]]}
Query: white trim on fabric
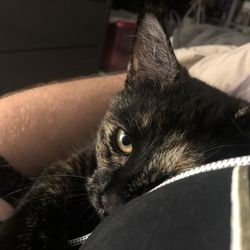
{"points": [[235, 211], [78, 241], [217, 165], [228, 163]]}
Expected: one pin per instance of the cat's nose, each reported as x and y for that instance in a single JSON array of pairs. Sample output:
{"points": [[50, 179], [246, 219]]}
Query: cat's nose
{"points": [[110, 201]]}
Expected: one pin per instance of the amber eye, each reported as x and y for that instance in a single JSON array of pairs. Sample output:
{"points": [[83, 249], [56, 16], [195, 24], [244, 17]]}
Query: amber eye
{"points": [[124, 142]]}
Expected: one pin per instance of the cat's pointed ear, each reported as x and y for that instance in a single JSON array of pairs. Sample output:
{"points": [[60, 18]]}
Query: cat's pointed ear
{"points": [[153, 56]]}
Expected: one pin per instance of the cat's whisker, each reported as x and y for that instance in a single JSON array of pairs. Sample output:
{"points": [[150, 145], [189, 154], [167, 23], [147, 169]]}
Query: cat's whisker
{"points": [[236, 125], [14, 200], [76, 188], [81, 208], [91, 217], [78, 195], [214, 151], [225, 146], [74, 149], [15, 192], [49, 195], [59, 175], [84, 212], [76, 185]]}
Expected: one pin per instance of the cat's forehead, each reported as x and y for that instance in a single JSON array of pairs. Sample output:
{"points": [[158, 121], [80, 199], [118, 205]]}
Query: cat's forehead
{"points": [[162, 105], [138, 111], [149, 97]]}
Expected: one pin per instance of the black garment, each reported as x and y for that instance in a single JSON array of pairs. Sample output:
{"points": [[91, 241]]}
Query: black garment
{"points": [[193, 214], [196, 212]]}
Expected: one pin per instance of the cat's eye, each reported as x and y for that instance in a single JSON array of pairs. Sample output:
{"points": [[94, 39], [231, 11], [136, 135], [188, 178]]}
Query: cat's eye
{"points": [[124, 142]]}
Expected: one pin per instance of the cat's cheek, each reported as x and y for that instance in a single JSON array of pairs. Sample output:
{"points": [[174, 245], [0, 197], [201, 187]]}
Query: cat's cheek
{"points": [[94, 190], [123, 160], [95, 200]]}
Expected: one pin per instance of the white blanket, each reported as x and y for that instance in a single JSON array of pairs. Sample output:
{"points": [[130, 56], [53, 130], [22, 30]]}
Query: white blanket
{"points": [[224, 67]]}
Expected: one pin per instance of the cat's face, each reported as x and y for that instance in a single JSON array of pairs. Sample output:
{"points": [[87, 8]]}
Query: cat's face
{"points": [[162, 123]]}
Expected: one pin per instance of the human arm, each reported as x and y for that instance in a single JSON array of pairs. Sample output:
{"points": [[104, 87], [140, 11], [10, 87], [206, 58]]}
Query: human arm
{"points": [[43, 124], [46, 123]]}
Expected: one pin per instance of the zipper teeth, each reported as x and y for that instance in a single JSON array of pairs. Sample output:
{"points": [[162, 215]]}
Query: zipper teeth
{"points": [[78, 241], [228, 163]]}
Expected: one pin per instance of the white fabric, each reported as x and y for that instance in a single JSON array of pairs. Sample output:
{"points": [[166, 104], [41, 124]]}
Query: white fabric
{"points": [[225, 67]]}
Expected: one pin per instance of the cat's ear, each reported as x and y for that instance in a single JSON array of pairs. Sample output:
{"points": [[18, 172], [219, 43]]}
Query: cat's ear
{"points": [[153, 56]]}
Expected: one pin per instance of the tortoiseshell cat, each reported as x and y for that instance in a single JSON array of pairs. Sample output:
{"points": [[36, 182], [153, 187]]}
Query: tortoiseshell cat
{"points": [[162, 123]]}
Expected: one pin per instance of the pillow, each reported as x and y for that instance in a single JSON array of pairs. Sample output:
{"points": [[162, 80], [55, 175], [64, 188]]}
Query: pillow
{"points": [[224, 67]]}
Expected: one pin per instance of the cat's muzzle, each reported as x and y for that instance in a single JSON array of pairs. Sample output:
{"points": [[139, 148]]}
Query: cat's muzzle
{"points": [[110, 202]]}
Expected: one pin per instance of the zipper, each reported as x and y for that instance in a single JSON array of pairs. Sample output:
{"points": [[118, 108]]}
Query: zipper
{"points": [[78, 241], [218, 165]]}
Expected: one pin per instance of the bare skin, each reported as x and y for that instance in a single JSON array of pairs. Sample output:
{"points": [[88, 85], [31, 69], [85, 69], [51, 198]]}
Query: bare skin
{"points": [[6, 210], [44, 124]]}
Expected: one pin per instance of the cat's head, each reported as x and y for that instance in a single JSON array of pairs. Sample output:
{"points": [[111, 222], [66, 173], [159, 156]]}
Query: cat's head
{"points": [[162, 123]]}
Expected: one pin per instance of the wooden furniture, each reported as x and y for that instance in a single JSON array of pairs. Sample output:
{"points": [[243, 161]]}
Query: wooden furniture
{"points": [[46, 40]]}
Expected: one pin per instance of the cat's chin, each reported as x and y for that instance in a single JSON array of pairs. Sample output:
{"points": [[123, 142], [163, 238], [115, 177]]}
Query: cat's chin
{"points": [[98, 206], [102, 213]]}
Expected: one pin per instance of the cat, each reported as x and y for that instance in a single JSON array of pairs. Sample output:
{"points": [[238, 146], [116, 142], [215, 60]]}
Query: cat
{"points": [[163, 123]]}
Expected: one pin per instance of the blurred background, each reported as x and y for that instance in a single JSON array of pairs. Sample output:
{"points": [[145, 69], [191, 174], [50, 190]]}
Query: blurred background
{"points": [[50, 40]]}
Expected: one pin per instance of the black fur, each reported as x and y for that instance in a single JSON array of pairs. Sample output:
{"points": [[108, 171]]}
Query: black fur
{"points": [[175, 122]]}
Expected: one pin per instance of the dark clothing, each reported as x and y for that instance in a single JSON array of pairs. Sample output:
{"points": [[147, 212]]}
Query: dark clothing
{"points": [[192, 213]]}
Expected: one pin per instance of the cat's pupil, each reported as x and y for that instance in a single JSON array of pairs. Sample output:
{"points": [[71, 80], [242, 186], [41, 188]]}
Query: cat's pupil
{"points": [[126, 141]]}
